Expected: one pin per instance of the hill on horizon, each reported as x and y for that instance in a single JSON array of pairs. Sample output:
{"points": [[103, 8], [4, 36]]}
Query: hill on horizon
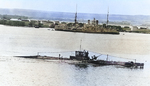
{"points": [[82, 17]]}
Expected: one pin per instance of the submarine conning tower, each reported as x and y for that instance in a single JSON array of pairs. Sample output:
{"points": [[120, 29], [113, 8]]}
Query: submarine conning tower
{"points": [[80, 55]]}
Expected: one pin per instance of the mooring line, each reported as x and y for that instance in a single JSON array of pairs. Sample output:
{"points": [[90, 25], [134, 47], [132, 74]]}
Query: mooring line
{"points": [[112, 55], [57, 52]]}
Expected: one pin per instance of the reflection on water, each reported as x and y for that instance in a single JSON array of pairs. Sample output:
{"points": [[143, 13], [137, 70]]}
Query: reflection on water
{"points": [[81, 65], [36, 72]]}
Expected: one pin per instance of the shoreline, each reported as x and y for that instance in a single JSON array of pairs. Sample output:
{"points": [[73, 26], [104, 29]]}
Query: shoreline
{"points": [[53, 29], [113, 33]]}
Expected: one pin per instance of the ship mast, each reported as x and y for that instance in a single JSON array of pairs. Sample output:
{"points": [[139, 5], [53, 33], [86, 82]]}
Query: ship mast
{"points": [[108, 16], [76, 15]]}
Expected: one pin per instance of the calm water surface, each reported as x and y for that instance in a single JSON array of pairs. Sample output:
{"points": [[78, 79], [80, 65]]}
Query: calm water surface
{"points": [[16, 71]]}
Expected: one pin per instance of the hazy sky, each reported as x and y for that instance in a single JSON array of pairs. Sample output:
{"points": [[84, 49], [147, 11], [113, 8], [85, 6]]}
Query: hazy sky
{"points": [[129, 7]]}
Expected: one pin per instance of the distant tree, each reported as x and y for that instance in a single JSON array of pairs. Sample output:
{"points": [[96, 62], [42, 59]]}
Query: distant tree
{"points": [[126, 27], [104, 25], [4, 17], [3, 22], [19, 18], [49, 21], [63, 22], [39, 24], [119, 28], [52, 25], [31, 24]]}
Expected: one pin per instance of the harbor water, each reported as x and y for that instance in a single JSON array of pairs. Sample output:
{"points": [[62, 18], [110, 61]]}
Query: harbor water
{"points": [[19, 41]]}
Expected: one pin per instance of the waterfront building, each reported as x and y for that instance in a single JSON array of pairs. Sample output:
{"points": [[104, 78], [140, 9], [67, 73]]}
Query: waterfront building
{"points": [[133, 28], [15, 19]]}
